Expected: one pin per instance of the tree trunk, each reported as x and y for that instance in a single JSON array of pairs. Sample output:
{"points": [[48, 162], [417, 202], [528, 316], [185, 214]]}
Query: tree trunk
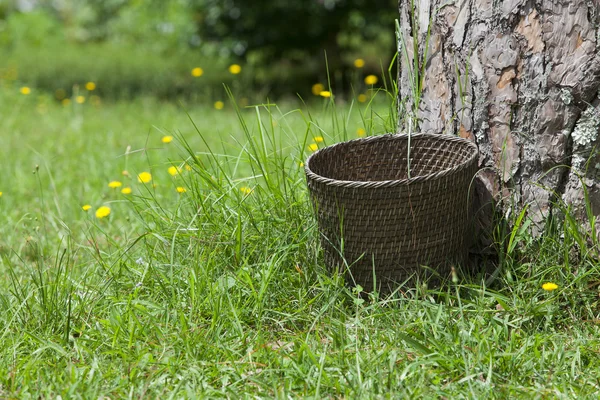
{"points": [[521, 79]]}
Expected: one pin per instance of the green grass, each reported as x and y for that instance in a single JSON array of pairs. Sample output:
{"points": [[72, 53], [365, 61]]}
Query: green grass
{"points": [[220, 293], [120, 71]]}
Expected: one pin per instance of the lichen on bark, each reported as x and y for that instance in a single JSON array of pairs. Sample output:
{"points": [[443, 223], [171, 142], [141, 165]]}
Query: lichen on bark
{"points": [[586, 129]]}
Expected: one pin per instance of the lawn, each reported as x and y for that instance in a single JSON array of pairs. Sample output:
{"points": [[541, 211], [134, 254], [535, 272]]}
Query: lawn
{"points": [[207, 280]]}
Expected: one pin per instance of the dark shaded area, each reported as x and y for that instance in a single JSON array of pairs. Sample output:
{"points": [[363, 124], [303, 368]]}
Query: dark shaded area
{"points": [[294, 36]]}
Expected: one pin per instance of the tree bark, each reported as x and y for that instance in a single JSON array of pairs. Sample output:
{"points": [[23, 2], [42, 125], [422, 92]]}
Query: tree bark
{"points": [[521, 79]]}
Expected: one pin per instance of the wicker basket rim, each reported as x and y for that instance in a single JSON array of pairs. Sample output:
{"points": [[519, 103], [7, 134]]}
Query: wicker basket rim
{"points": [[391, 183]]}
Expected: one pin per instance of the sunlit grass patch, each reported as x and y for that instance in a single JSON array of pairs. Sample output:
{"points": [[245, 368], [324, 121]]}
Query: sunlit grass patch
{"points": [[205, 279]]}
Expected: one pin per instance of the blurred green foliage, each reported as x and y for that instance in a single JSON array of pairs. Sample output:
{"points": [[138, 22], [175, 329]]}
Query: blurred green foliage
{"points": [[298, 32], [119, 71], [150, 46]]}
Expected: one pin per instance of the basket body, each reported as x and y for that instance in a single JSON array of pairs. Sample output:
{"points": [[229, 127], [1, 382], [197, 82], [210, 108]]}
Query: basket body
{"points": [[383, 227]]}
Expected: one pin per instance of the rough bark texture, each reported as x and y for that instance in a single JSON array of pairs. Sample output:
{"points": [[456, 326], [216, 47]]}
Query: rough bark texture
{"points": [[521, 79]]}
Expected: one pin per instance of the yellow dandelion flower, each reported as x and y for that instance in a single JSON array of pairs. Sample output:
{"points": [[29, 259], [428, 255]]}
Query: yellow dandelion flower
{"points": [[174, 170], [219, 105], [167, 139], [86, 207], [25, 90], [549, 286], [144, 177], [188, 167], [181, 189], [90, 86], [197, 72], [235, 69], [301, 164], [66, 102], [313, 147], [125, 172], [362, 98], [80, 99], [60, 94], [361, 132], [318, 139], [317, 88], [246, 190], [325, 93], [126, 190], [102, 212], [0, 194], [371, 79], [114, 184], [359, 63]]}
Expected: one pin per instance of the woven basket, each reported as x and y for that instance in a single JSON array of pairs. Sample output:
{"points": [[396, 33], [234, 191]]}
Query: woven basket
{"points": [[386, 227]]}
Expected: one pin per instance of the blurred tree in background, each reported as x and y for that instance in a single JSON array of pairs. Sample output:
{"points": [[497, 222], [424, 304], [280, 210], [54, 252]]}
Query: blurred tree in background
{"points": [[135, 46], [293, 35]]}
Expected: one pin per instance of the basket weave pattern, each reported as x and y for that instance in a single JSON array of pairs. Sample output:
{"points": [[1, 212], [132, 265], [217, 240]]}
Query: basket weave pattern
{"points": [[374, 217]]}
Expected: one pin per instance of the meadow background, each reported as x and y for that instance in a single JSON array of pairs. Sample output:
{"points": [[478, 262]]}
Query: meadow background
{"points": [[156, 238]]}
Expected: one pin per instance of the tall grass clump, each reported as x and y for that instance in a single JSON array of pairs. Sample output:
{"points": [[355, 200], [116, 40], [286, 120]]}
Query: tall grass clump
{"points": [[245, 225]]}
